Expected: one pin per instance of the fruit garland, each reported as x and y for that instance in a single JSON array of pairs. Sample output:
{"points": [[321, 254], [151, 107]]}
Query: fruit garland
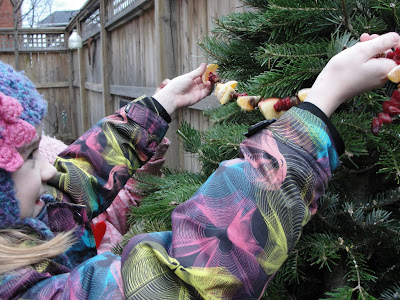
{"points": [[391, 107], [273, 108]]}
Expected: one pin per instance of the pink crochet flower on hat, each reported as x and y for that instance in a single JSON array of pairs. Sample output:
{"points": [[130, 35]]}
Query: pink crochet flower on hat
{"points": [[14, 133]]}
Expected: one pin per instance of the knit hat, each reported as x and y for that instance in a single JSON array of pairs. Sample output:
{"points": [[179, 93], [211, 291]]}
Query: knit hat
{"points": [[21, 109]]}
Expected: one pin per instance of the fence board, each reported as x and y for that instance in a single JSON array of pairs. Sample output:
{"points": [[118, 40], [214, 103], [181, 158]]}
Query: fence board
{"points": [[150, 42]]}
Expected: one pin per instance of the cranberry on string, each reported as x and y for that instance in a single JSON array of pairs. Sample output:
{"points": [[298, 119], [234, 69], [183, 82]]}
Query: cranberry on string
{"points": [[390, 109], [395, 55]]}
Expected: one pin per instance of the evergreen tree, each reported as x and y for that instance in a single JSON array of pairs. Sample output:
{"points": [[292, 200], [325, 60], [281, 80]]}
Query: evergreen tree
{"points": [[350, 249]]}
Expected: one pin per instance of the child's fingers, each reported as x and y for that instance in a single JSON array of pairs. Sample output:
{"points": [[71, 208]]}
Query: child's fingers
{"points": [[197, 72], [377, 45], [366, 37], [380, 66]]}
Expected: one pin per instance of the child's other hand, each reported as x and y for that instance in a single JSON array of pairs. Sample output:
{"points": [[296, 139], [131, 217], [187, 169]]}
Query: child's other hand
{"points": [[184, 90], [353, 71], [162, 85]]}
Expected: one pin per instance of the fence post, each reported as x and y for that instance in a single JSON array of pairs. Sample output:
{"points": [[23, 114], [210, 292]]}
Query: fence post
{"points": [[105, 41], [84, 112], [166, 42], [72, 99]]}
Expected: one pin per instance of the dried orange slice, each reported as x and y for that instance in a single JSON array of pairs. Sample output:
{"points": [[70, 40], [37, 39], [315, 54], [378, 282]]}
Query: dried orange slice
{"points": [[232, 84], [211, 68], [394, 75], [247, 103]]}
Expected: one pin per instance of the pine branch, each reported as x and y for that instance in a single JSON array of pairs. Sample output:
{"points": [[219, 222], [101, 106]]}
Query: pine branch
{"points": [[382, 200], [137, 228], [344, 292], [286, 79], [231, 113], [359, 272], [160, 195], [391, 293], [270, 54], [390, 162], [291, 272], [326, 222], [346, 18], [323, 250]]}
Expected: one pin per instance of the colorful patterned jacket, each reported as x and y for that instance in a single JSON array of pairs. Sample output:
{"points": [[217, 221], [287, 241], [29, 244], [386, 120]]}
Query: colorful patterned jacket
{"points": [[227, 241], [231, 237], [90, 174]]}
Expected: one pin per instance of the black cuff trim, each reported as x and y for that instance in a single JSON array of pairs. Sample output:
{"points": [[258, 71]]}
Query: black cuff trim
{"points": [[154, 106], [161, 111], [336, 138]]}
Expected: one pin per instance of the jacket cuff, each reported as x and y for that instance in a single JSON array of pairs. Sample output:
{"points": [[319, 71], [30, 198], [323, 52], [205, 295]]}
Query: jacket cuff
{"points": [[333, 132], [154, 106], [139, 112]]}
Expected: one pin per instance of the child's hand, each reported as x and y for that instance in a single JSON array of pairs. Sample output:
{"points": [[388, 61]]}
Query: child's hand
{"points": [[184, 90], [353, 71]]}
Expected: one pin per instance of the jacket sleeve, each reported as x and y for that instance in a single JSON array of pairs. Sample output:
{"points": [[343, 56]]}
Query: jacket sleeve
{"points": [[93, 169], [235, 232], [97, 278]]}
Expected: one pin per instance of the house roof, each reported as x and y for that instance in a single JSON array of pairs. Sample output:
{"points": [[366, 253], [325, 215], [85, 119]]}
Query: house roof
{"points": [[58, 18]]}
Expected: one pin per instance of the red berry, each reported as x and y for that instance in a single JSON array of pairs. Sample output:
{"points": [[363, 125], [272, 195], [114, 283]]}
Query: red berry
{"points": [[395, 96], [375, 126], [384, 118], [278, 106], [213, 77], [395, 55], [390, 55], [287, 103], [390, 109], [395, 103]]}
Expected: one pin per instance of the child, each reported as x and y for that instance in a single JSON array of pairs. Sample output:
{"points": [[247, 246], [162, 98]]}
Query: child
{"points": [[227, 241], [44, 238]]}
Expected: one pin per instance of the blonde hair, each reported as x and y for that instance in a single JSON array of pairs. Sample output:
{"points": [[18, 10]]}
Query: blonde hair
{"points": [[19, 249]]}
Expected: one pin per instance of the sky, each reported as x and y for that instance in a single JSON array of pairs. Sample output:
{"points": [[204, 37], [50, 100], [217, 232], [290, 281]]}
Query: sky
{"points": [[68, 4], [44, 8]]}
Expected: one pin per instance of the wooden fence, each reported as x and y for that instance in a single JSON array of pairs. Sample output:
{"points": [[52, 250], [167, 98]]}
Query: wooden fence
{"points": [[44, 58], [130, 46]]}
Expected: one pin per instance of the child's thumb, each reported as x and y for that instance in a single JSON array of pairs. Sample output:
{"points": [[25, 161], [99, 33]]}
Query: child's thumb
{"points": [[199, 71]]}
